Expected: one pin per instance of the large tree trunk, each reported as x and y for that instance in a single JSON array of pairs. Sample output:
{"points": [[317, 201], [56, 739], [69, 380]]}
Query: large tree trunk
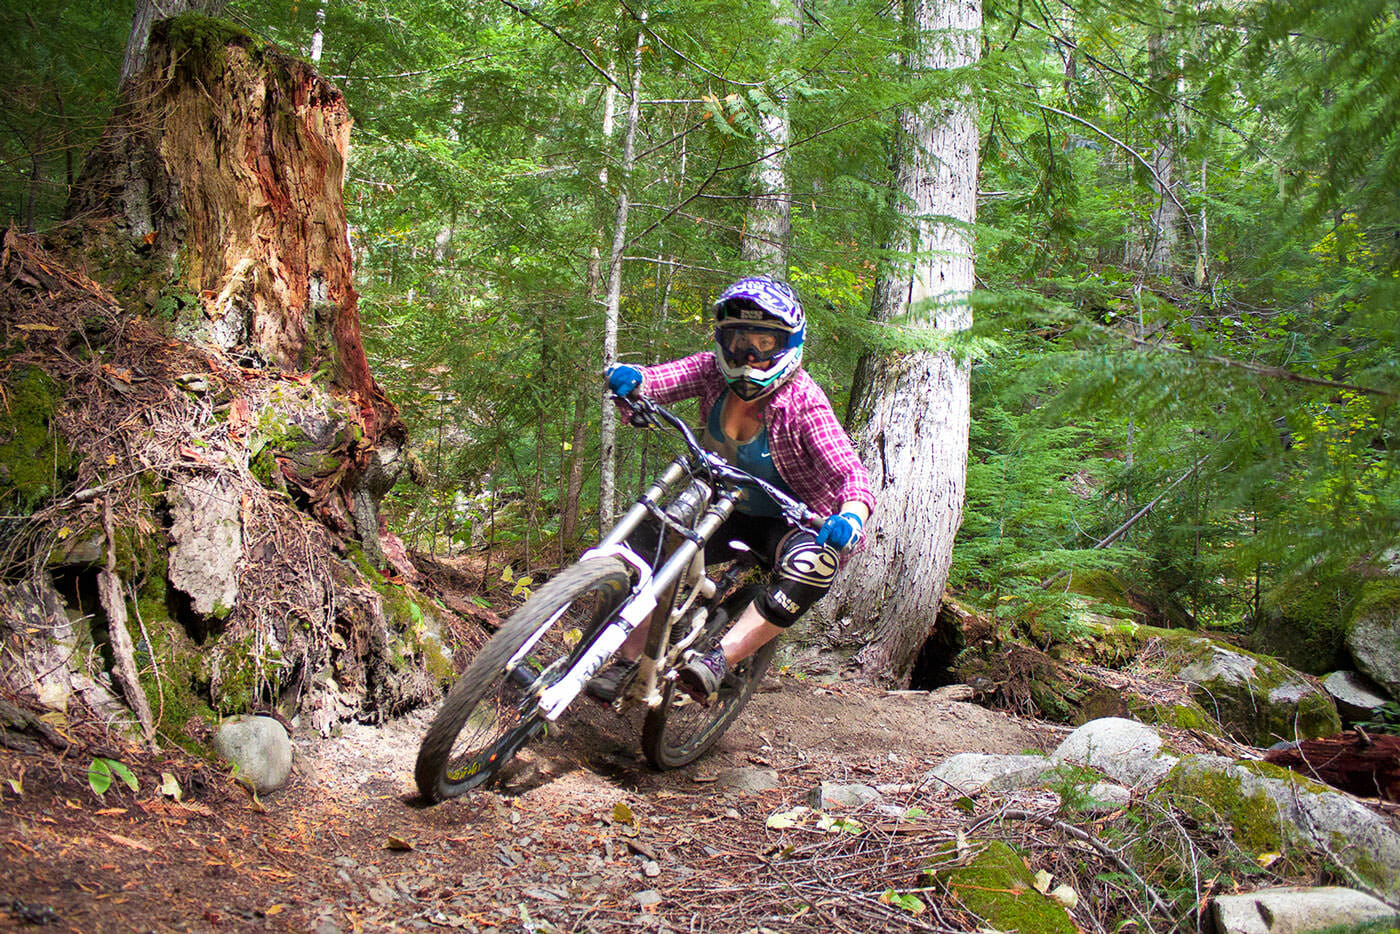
{"points": [[222, 170], [910, 411]]}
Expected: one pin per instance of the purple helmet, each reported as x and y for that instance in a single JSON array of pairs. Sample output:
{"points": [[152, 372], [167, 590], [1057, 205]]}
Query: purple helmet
{"points": [[759, 331]]}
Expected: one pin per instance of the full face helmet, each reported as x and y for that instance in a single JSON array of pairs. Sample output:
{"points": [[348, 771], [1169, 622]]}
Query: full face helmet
{"points": [[759, 330]]}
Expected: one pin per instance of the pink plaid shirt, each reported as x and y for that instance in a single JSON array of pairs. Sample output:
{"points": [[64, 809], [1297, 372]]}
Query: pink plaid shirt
{"points": [[810, 448]]}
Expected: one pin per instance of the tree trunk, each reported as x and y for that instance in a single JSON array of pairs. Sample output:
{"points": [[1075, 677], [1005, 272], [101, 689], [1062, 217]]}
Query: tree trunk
{"points": [[910, 411], [607, 491], [768, 227], [222, 171]]}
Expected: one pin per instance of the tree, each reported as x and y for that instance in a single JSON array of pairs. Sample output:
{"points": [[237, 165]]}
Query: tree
{"points": [[150, 12], [910, 407]]}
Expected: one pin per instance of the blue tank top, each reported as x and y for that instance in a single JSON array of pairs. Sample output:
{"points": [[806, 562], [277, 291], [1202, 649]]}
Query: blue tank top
{"points": [[753, 456]]}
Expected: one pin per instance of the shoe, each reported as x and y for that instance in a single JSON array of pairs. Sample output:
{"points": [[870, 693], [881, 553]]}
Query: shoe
{"points": [[701, 677], [608, 684]]}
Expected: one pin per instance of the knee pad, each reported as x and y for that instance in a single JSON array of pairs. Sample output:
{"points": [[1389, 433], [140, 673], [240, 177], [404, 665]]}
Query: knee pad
{"points": [[803, 576]]}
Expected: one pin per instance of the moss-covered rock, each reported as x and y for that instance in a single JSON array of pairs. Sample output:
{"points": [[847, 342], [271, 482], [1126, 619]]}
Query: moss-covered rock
{"points": [[1267, 809], [1256, 698], [1303, 622], [1373, 635], [997, 886]]}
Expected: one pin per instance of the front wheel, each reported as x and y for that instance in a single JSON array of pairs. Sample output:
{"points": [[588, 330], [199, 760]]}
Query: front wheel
{"points": [[680, 730], [493, 710]]}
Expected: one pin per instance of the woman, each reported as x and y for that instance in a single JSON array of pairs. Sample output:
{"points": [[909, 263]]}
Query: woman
{"points": [[764, 414]]}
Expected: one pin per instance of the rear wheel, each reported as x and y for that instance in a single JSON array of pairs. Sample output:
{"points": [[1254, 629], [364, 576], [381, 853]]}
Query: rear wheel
{"points": [[680, 730], [493, 710]]}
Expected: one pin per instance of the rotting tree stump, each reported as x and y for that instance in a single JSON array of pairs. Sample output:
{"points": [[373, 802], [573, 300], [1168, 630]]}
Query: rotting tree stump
{"points": [[215, 198]]}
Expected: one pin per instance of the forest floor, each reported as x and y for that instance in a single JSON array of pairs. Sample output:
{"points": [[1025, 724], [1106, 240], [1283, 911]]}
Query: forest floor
{"points": [[581, 836]]}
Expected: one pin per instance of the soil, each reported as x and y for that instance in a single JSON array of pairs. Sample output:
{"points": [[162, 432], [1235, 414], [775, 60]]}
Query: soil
{"points": [[580, 836]]}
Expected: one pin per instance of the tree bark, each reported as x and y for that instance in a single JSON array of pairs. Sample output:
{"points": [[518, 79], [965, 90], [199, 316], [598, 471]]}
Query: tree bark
{"points": [[607, 486], [768, 227], [910, 411]]}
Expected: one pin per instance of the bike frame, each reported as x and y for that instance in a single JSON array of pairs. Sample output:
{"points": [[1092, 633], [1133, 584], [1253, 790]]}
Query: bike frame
{"points": [[657, 587]]}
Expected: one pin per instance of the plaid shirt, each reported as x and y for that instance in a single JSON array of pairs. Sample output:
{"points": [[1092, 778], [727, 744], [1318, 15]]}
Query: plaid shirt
{"points": [[810, 448]]}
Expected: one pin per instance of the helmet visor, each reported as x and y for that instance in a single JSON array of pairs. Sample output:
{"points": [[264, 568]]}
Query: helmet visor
{"points": [[750, 344]]}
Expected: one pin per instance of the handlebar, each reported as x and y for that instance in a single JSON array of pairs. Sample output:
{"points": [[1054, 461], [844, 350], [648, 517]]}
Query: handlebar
{"points": [[646, 413]]}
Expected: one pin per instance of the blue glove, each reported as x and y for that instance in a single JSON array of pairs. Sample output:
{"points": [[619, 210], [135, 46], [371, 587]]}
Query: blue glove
{"points": [[623, 379], [842, 531]]}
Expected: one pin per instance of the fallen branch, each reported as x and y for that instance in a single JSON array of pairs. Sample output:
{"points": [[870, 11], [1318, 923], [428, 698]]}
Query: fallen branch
{"points": [[109, 593]]}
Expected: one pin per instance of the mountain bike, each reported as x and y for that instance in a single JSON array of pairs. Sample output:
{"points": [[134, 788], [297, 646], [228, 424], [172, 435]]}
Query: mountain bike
{"points": [[538, 662]]}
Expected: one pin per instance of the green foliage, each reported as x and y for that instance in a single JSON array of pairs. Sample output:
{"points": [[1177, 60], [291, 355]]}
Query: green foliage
{"points": [[102, 771]]}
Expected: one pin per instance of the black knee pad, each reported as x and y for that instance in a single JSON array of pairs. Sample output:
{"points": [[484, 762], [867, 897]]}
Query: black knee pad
{"points": [[803, 576]]}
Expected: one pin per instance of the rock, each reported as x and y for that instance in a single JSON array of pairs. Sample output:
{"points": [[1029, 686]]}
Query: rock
{"points": [[833, 795], [1295, 910], [206, 545], [971, 772], [1124, 750], [1106, 797], [258, 748], [647, 898], [1357, 697], [747, 781], [1256, 698], [1374, 635], [1268, 808]]}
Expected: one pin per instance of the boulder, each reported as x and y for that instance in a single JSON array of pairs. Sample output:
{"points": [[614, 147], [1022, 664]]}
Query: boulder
{"points": [[1296, 910], [1270, 809], [1257, 699], [259, 750], [967, 773], [1357, 697], [1374, 635], [1125, 750]]}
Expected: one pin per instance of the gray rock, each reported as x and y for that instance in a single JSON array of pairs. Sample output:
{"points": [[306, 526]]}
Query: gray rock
{"points": [[971, 772], [1256, 698], [1105, 797], [258, 748], [1329, 822], [1357, 697], [647, 898], [833, 795], [206, 545], [1125, 750], [1374, 641], [748, 781], [1295, 910]]}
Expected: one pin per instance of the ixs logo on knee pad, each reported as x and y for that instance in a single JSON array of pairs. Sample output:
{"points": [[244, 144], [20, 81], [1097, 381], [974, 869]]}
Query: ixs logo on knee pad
{"points": [[784, 601], [809, 563]]}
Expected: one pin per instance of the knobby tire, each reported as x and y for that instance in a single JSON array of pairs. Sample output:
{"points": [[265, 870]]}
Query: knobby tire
{"points": [[491, 713], [680, 730]]}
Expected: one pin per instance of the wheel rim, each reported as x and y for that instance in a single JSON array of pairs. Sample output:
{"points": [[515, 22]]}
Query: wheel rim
{"points": [[508, 712], [689, 724]]}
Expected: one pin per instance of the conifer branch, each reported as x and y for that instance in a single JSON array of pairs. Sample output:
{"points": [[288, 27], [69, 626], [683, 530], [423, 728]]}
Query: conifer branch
{"points": [[1270, 371], [558, 35]]}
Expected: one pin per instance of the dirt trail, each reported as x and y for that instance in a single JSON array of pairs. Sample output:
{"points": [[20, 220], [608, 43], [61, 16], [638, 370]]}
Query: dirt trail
{"points": [[581, 837]]}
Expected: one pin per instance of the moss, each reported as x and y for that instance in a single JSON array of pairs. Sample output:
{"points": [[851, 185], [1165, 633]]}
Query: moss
{"points": [[1218, 799], [997, 886], [35, 462], [203, 35], [176, 696], [1187, 715]]}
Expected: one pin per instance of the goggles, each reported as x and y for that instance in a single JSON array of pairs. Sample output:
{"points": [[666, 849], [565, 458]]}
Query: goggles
{"points": [[750, 344]]}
